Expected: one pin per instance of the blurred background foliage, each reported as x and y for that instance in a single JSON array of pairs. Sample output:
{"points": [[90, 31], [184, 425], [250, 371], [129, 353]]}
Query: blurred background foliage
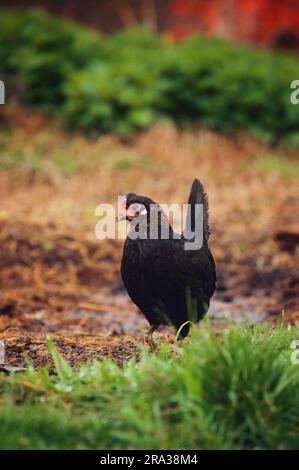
{"points": [[125, 82], [263, 22]]}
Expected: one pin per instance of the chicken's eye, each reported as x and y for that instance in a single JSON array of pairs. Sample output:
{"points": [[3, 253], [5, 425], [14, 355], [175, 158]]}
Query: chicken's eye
{"points": [[135, 209]]}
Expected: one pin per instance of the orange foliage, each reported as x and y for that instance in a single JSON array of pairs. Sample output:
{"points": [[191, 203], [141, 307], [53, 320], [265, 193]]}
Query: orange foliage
{"points": [[260, 21]]}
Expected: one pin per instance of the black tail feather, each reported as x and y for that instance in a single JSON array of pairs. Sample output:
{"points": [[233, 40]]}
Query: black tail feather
{"points": [[198, 196]]}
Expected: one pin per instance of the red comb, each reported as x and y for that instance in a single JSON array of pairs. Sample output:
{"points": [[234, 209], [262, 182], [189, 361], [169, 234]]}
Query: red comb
{"points": [[123, 205]]}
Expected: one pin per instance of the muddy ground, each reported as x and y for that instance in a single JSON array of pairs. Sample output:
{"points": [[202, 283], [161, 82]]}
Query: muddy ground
{"points": [[57, 279]]}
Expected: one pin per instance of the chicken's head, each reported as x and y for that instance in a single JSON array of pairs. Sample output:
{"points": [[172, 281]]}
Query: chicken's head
{"points": [[133, 206]]}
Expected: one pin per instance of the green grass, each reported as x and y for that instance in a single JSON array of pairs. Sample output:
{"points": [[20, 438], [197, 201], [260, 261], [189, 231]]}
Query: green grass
{"points": [[40, 153], [124, 161], [238, 390], [287, 168], [46, 152], [33, 160]]}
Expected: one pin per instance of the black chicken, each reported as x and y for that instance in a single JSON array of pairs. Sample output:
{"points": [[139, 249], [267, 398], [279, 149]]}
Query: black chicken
{"points": [[170, 285]]}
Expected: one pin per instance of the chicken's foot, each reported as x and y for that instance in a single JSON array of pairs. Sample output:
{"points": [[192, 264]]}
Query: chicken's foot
{"points": [[149, 336]]}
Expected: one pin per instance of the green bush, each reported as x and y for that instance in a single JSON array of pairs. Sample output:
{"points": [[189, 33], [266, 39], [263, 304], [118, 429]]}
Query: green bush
{"points": [[230, 88], [43, 51], [108, 98], [238, 390], [127, 81], [120, 94], [10, 31]]}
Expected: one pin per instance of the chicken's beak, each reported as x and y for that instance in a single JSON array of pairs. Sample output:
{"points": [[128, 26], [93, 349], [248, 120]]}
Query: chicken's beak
{"points": [[120, 217]]}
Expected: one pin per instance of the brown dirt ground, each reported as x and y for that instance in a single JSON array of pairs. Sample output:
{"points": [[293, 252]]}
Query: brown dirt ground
{"points": [[57, 279]]}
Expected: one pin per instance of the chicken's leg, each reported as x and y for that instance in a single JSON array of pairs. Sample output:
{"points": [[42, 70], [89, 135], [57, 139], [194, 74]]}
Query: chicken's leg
{"points": [[149, 335]]}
